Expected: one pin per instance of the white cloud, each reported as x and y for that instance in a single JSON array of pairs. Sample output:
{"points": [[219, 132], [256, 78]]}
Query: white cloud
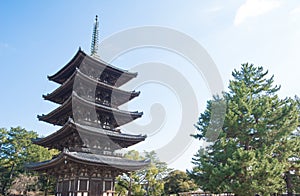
{"points": [[253, 8], [294, 16], [295, 11]]}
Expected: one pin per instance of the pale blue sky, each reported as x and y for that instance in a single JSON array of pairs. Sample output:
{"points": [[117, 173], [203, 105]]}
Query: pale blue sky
{"points": [[39, 37]]}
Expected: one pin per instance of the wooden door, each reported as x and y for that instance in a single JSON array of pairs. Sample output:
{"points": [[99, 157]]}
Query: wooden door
{"points": [[96, 188]]}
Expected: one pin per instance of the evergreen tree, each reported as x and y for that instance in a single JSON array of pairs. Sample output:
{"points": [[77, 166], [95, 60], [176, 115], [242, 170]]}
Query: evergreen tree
{"points": [[130, 183], [178, 181], [254, 149], [16, 150], [148, 181]]}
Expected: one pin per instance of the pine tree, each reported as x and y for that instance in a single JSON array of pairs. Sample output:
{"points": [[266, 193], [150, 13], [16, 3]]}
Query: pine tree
{"points": [[253, 151]]}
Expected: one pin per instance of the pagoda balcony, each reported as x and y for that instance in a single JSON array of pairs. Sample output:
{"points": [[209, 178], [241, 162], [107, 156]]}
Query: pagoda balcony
{"points": [[91, 90], [80, 109]]}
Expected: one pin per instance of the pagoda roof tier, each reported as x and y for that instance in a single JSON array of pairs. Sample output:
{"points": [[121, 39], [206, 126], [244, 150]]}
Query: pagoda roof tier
{"points": [[74, 134], [72, 84], [84, 110], [90, 160], [81, 58]]}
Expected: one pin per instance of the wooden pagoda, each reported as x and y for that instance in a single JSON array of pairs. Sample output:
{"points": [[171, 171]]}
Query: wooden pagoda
{"points": [[88, 98]]}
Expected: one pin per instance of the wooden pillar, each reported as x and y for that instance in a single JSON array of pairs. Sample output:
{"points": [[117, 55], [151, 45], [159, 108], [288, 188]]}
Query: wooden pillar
{"points": [[103, 185]]}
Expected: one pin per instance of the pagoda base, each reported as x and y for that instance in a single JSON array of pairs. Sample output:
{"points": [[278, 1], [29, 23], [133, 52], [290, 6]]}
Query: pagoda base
{"points": [[81, 186], [86, 174], [80, 179]]}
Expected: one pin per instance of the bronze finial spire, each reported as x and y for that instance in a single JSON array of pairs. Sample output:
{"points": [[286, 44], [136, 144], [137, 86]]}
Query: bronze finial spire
{"points": [[95, 39]]}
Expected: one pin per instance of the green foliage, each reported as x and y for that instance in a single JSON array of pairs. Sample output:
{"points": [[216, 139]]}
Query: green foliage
{"points": [[16, 151], [256, 146], [130, 184], [178, 181], [148, 181]]}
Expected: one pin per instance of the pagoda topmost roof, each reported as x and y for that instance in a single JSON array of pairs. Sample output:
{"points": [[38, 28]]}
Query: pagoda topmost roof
{"points": [[82, 58]]}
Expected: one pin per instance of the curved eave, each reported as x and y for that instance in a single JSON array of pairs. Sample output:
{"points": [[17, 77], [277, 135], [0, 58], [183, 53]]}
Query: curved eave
{"points": [[49, 140], [96, 133], [63, 74], [116, 162], [91, 160], [112, 134], [67, 87], [69, 67], [57, 113], [46, 164], [66, 107]]}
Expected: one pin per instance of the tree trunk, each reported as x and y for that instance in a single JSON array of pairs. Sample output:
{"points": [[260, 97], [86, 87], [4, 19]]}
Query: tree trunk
{"points": [[7, 182], [289, 185]]}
